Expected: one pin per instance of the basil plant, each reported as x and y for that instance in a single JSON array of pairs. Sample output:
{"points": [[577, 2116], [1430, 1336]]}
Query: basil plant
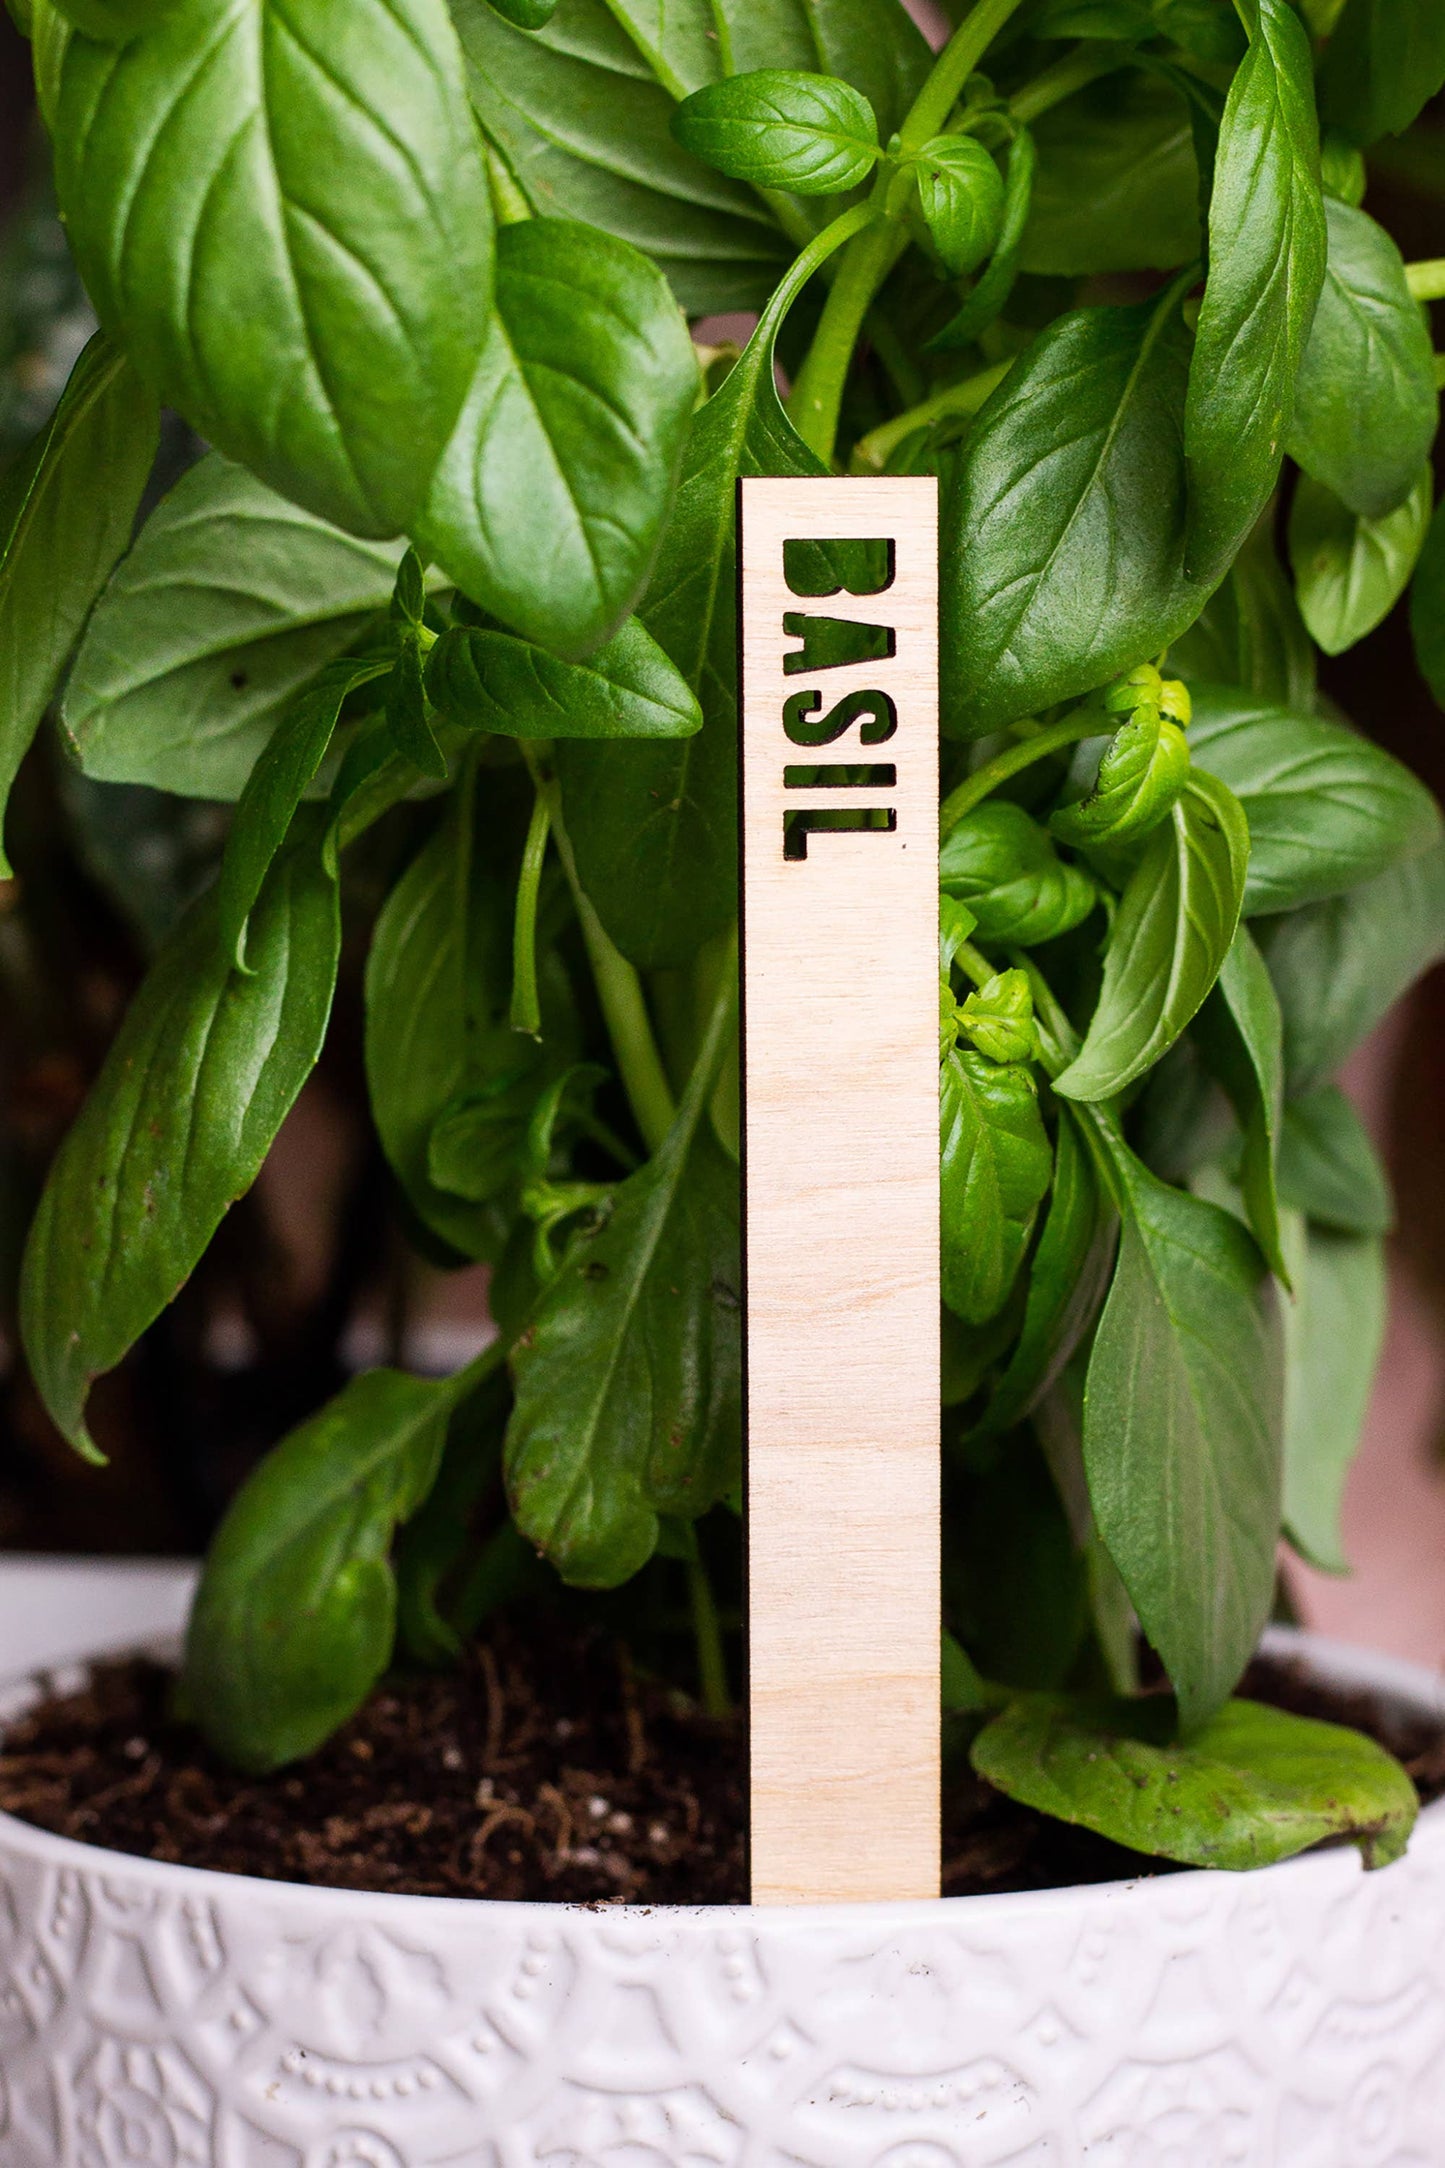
{"points": [[450, 597]]}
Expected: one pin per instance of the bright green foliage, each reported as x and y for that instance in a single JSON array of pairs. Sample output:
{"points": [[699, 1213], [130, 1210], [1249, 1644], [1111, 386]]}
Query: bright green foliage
{"points": [[296, 1614], [960, 193], [60, 536], [782, 129], [463, 569], [1350, 571], [345, 251], [549, 499], [1252, 1786], [1365, 400]]}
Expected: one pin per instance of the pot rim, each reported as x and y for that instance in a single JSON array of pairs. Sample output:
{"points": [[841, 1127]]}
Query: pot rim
{"points": [[1396, 1680]]}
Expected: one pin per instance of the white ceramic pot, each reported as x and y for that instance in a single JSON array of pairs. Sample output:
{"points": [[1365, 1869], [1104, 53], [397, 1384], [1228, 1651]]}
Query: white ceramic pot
{"points": [[158, 2017]]}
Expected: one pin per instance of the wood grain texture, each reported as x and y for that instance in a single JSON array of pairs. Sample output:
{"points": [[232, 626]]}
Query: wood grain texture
{"points": [[840, 1069]]}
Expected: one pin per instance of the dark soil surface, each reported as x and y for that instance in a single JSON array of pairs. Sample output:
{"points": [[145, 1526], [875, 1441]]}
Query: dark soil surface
{"points": [[544, 1768]]}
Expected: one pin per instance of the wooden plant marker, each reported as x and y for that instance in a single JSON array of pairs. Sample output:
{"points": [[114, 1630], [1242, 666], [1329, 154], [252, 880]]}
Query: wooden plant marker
{"points": [[840, 1097]]}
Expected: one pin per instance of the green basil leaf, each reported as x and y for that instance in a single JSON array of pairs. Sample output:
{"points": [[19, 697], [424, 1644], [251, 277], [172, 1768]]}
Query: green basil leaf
{"points": [[1250, 631], [295, 1618], [407, 719], [1144, 768], [1329, 1169], [227, 606], [992, 290], [1350, 572], [1017, 1578], [998, 1018], [549, 499], [1340, 965], [1334, 1334], [1326, 808], [1365, 406], [1068, 1278], [961, 195], [274, 790], [67, 507], [285, 216], [1241, 1034], [628, 689], [628, 1376], [526, 14], [1251, 1786], [1385, 60], [780, 128], [196, 1084], [654, 827], [1427, 607], [447, 1580], [1117, 187], [115, 20], [1063, 539], [995, 1170], [438, 984], [1003, 865], [1173, 930], [583, 122], [1266, 267], [1182, 1430]]}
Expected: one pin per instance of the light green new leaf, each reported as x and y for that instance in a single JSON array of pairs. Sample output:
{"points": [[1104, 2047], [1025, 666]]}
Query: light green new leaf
{"points": [[1366, 406], [961, 195], [526, 14], [1334, 1332], [282, 211], [1144, 767], [629, 1375], [1350, 572], [1386, 58], [1252, 1786], [1427, 607], [548, 502], [996, 1165], [780, 128], [1004, 866], [1340, 965], [67, 507], [295, 1617], [227, 606], [1242, 1036], [1182, 1433], [1063, 536], [204, 1069], [1329, 1169], [1175, 923], [1266, 267], [1326, 808], [493, 681]]}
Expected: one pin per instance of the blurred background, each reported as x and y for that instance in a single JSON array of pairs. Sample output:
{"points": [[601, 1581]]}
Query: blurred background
{"points": [[309, 1277]]}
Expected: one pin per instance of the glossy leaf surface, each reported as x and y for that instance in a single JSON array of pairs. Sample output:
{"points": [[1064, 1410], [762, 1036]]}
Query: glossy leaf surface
{"points": [[1386, 58], [1003, 865], [1242, 1034], [1326, 808], [1350, 572], [1266, 267], [627, 689], [781, 128], [1365, 406], [282, 211], [996, 1167], [549, 499], [1175, 923], [961, 194]]}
